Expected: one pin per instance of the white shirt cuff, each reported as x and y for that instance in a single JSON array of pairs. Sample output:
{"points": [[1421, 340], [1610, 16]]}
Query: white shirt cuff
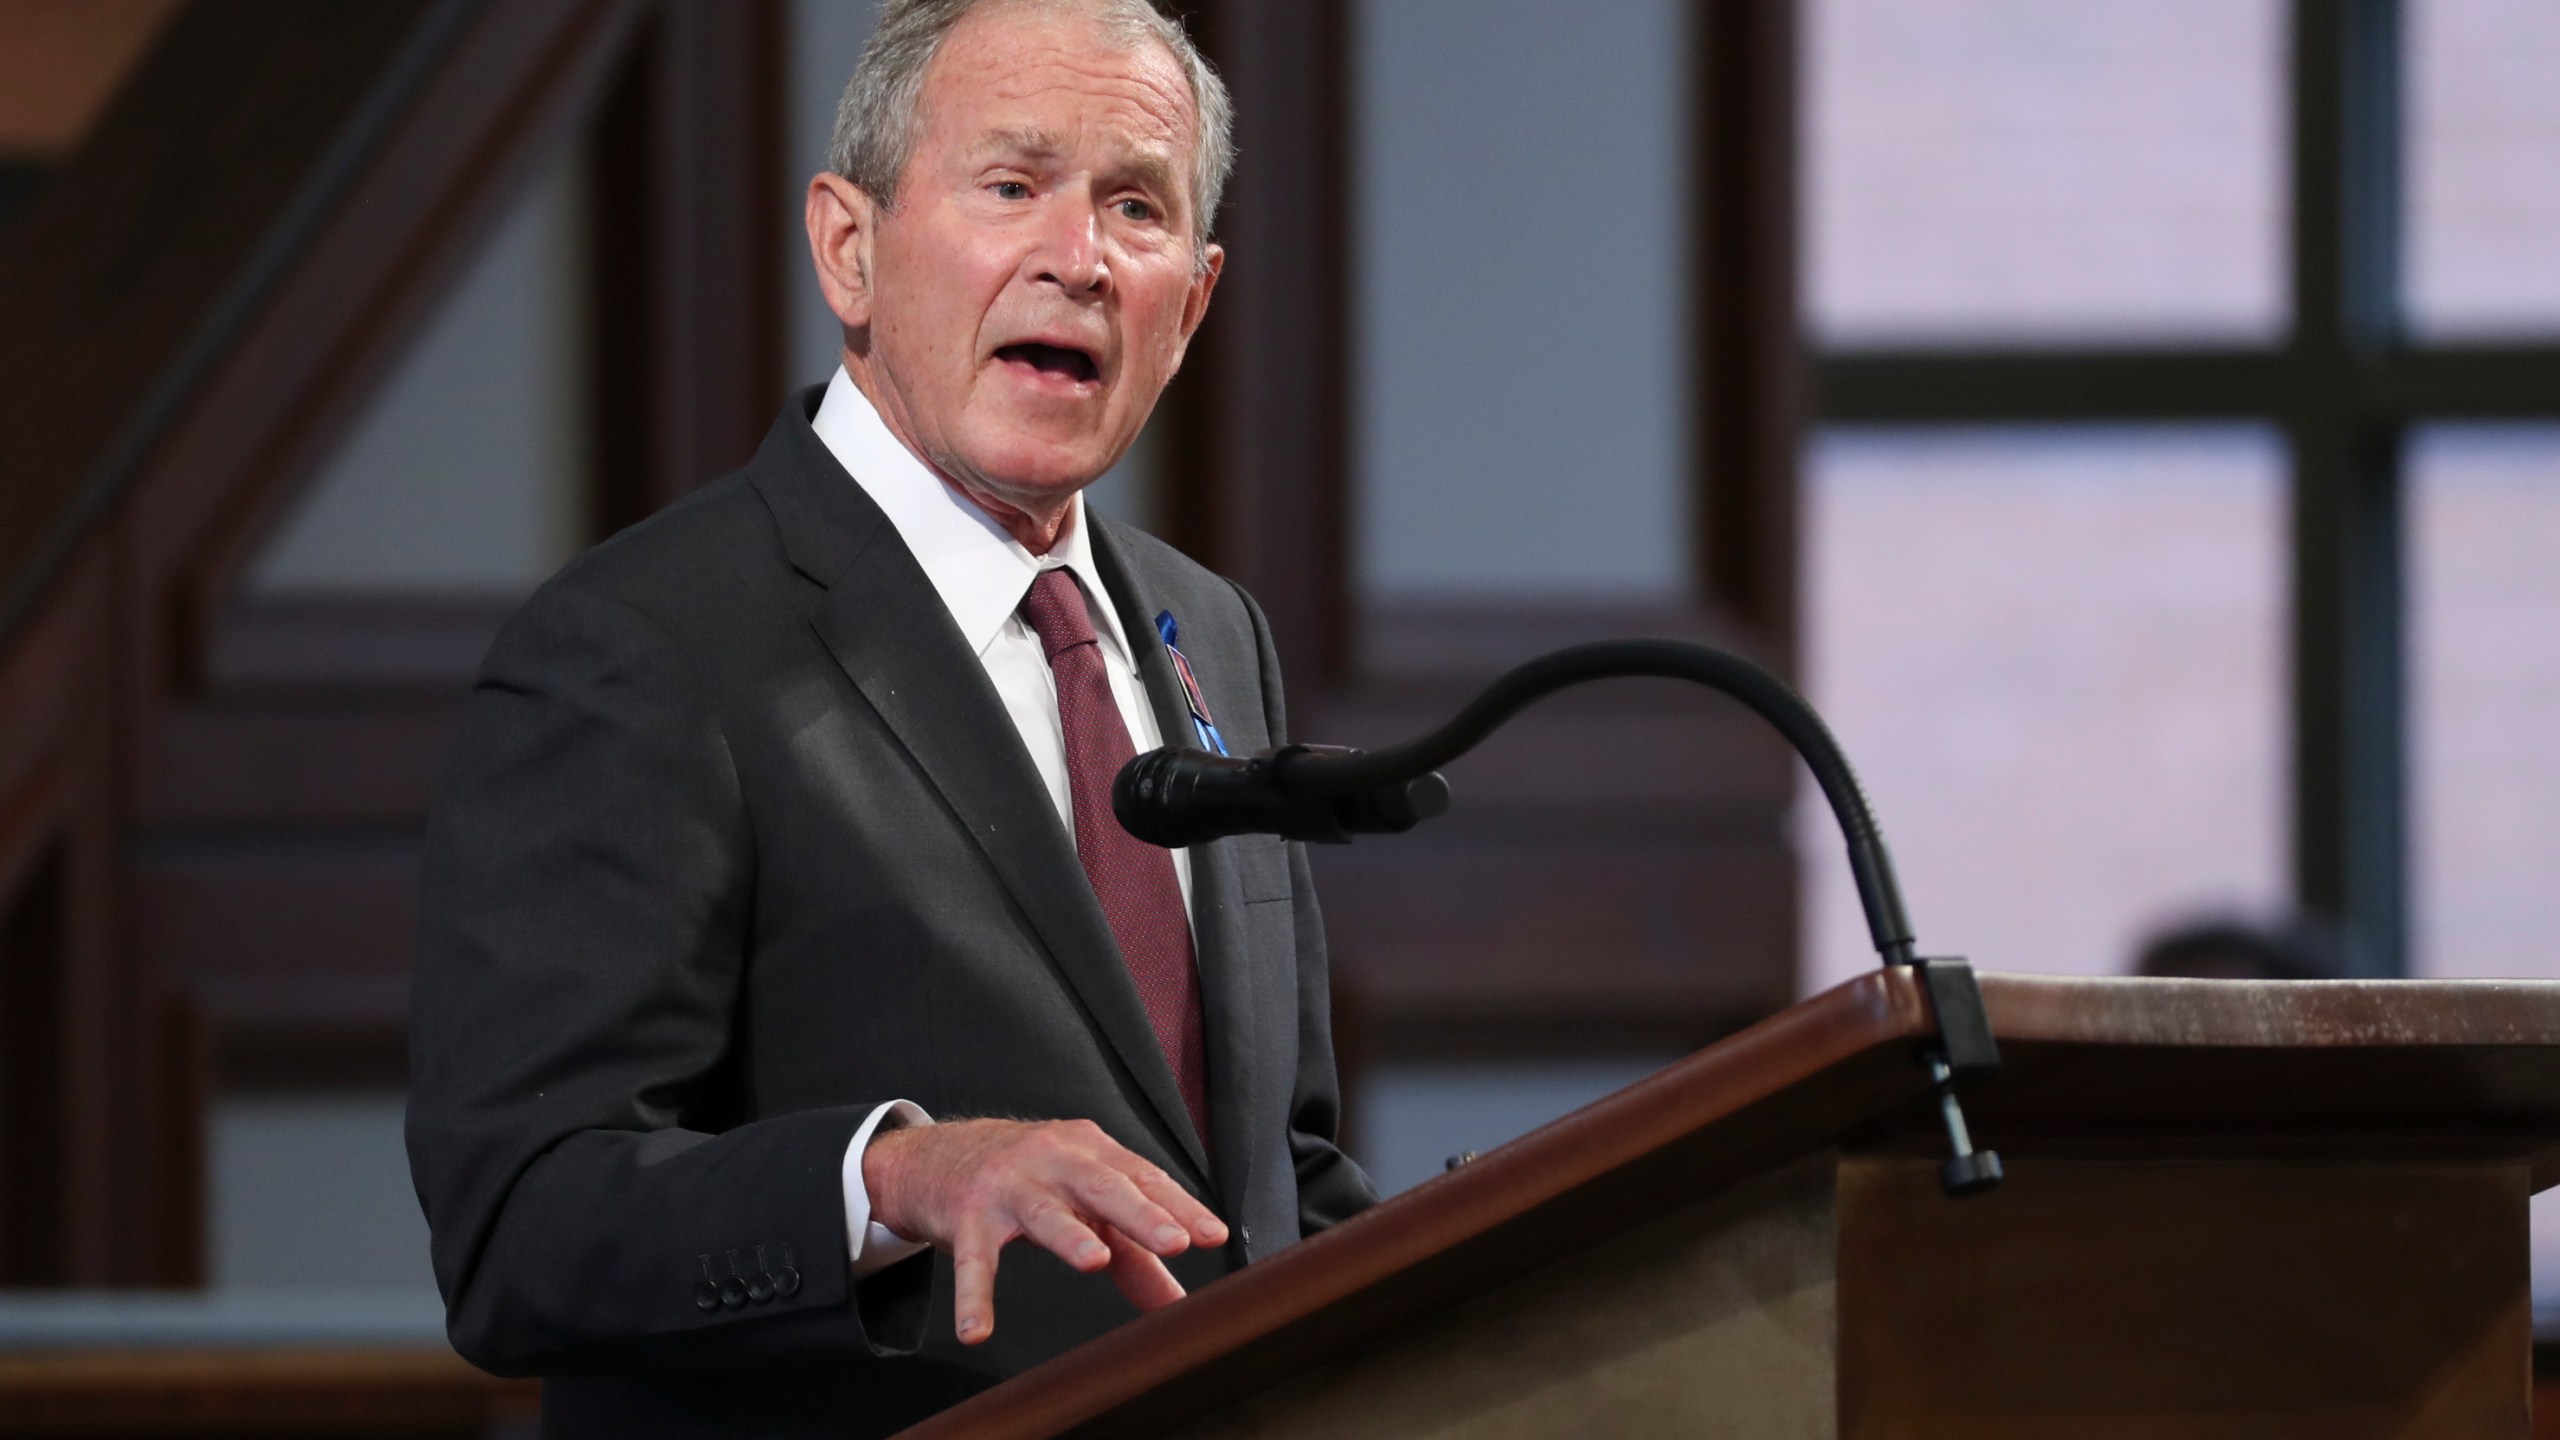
{"points": [[872, 1246]]}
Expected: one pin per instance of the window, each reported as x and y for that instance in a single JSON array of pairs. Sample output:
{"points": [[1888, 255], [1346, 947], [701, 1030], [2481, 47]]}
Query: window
{"points": [[1520, 282], [2056, 655], [2484, 192], [2168, 218], [2089, 168], [2484, 581]]}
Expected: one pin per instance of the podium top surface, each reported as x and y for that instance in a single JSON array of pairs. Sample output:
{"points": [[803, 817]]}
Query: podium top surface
{"points": [[2138, 1067]]}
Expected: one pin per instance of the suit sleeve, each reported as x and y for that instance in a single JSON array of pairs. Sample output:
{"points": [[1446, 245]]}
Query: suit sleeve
{"points": [[583, 941], [1331, 1186]]}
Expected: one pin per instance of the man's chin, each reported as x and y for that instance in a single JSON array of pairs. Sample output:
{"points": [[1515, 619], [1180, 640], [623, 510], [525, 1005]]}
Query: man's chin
{"points": [[1023, 468]]}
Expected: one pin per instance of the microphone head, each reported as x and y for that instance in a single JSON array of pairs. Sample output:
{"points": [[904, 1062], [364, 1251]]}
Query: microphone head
{"points": [[1177, 796]]}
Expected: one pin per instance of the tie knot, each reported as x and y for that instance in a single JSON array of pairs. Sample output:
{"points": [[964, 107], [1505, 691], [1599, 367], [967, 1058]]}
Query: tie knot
{"points": [[1055, 611]]}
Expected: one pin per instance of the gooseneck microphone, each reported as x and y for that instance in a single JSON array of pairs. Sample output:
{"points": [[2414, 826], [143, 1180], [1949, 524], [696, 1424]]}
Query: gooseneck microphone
{"points": [[1178, 796]]}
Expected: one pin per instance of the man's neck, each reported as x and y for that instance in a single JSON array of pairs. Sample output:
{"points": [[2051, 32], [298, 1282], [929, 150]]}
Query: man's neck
{"points": [[1037, 531]]}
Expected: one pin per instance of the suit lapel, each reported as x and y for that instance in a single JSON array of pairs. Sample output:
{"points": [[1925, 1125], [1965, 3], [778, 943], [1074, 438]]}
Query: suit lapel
{"points": [[886, 627], [1217, 906]]}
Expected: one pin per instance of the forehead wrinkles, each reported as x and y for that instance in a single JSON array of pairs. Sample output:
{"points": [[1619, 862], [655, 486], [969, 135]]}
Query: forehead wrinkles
{"points": [[1138, 87]]}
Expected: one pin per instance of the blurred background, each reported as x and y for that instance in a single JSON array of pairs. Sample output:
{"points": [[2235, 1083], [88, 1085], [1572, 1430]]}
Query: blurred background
{"points": [[2136, 423]]}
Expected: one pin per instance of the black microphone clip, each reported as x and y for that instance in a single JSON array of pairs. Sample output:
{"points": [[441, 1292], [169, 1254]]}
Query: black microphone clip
{"points": [[1178, 796]]}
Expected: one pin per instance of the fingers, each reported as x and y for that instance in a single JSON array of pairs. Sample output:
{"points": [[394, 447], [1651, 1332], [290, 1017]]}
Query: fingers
{"points": [[1111, 1195], [1140, 1274], [1146, 1204], [972, 1186], [973, 1276], [1205, 1228], [1056, 1229]]}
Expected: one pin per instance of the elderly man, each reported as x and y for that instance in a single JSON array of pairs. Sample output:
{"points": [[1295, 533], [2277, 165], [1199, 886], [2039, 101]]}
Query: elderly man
{"points": [[778, 837]]}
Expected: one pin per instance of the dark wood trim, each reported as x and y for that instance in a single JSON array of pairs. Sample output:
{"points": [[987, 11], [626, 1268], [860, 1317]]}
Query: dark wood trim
{"points": [[2464, 382], [1599, 944], [307, 929], [238, 113], [1257, 453], [2349, 673], [317, 726], [1747, 381], [452, 121], [685, 247], [345, 1053], [20, 180], [2010, 387], [414, 1393], [190, 317], [326, 179], [323, 721], [372, 647], [1638, 826], [178, 1080], [58, 862], [2349, 663], [2027, 387], [34, 1148], [258, 765], [516, 83], [63, 64], [1684, 919]]}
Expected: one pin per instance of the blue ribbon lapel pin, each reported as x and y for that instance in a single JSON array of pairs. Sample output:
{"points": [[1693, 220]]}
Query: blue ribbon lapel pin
{"points": [[1202, 727]]}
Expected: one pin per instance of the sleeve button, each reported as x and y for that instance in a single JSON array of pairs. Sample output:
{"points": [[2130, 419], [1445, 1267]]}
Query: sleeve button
{"points": [[706, 1296]]}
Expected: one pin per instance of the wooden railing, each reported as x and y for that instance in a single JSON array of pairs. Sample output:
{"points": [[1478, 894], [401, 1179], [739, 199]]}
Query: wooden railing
{"points": [[415, 1394]]}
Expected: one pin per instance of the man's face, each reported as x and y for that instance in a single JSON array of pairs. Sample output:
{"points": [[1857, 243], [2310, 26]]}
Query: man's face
{"points": [[1035, 285]]}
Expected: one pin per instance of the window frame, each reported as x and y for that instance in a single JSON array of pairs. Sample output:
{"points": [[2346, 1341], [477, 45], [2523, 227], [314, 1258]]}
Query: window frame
{"points": [[2346, 384]]}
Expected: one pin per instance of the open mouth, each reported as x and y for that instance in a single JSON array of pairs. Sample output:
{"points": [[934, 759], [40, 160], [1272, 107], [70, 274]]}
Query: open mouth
{"points": [[1057, 361]]}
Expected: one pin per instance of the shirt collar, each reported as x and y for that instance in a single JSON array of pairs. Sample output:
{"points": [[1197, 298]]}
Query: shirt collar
{"points": [[980, 571]]}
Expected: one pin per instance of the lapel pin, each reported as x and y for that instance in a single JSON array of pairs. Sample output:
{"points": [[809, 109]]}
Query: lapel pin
{"points": [[1201, 725]]}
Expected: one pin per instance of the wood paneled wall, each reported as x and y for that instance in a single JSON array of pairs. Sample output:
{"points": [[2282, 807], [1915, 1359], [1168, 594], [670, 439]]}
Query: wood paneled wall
{"points": [[1615, 875], [209, 809]]}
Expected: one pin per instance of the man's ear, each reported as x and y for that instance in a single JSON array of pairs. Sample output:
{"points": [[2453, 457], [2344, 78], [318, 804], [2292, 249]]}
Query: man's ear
{"points": [[843, 221], [1195, 304]]}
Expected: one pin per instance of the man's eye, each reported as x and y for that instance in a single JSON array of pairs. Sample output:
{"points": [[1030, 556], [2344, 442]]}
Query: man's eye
{"points": [[1134, 208], [1012, 190]]}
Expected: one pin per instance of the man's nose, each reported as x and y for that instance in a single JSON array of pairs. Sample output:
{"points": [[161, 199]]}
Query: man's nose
{"points": [[1070, 254]]}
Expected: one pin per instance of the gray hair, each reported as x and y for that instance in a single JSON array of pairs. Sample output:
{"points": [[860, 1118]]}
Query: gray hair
{"points": [[877, 120]]}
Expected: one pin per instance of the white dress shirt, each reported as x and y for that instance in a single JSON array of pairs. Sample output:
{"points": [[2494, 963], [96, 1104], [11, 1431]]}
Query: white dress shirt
{"points": [[982, 574]]}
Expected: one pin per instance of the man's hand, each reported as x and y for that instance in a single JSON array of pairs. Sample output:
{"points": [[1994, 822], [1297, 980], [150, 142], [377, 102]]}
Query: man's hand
{"points": [[971, 1186]]}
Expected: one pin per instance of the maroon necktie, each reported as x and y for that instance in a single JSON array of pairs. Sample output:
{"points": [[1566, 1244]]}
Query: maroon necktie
{"points": [[1133, 879]]}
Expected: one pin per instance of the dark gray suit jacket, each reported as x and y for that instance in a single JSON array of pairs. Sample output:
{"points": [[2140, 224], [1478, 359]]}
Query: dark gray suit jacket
{"points": [[737, 843]]}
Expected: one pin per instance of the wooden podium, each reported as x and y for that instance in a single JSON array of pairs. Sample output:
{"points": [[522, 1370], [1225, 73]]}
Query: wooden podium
{"points": [[2233, 1209]]}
